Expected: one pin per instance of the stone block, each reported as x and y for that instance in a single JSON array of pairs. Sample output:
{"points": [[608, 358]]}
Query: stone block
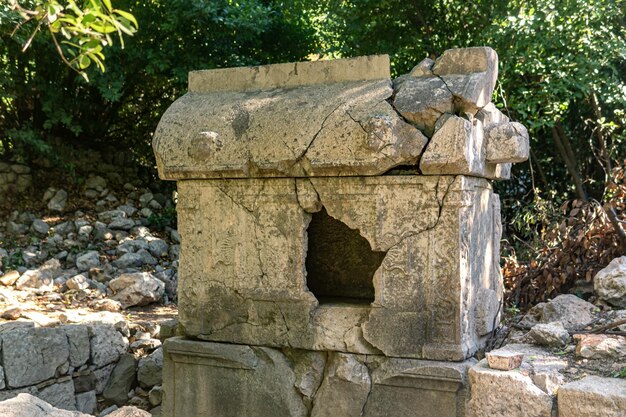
{"points": [[60, 395], [226, 380], [422, 101], [33, 355], [243, 277], [498, 393], [106, 344], [456, 148], [78, 338], [470, 74], [86, 402], [507, 142], [593, 396], [122, 380]]}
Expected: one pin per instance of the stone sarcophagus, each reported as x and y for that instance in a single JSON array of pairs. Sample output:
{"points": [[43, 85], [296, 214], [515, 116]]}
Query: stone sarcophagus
{"points": [[340, 235]]}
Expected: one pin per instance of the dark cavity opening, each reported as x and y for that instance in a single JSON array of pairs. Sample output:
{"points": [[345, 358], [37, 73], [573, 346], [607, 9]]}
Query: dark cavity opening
{"points": [[340, 263]]}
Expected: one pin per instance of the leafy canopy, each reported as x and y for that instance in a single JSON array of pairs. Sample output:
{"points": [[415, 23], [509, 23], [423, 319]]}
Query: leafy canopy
{"points": [[84, 30]]}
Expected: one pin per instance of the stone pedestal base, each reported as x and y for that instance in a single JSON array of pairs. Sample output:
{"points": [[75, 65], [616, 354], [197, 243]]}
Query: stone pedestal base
{"points": [[207, 379]]}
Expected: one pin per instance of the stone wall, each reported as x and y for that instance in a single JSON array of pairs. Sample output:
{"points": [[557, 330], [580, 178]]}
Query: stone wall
{"points": [[74, 366], [14, 178]]}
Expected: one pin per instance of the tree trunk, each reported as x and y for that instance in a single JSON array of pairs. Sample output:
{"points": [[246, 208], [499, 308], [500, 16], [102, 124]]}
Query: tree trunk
{"points": [[567, 154]]}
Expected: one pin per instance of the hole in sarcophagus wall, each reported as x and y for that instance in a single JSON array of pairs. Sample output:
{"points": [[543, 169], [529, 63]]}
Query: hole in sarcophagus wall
{"points": [[340, 263]]}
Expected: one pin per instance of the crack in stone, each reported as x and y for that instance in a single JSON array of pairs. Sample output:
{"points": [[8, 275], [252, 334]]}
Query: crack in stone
{"points": [[379, 151], [369, 391], [322, 126]]}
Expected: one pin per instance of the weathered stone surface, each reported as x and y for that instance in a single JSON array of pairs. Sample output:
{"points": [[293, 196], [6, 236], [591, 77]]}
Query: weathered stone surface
{"points": [[422, 101], [272, 305], [404, 387], [352, 384], [86, 402], [106, 343], [455, 148], [209, 375], [236, 133], [345, 389], [137, 289], [506, 142], [33, 355], [27, 405], [102, 376], [600, 346], [122, 379], [423, 68], [78, 339], [40, 227], [470, 74], [487, 308], [610, 282], [498, 393], [593, 396], [549, 334], [504, 360], [60, 395], [129, 412], [290, 75], [150, 369], [570, 310]]}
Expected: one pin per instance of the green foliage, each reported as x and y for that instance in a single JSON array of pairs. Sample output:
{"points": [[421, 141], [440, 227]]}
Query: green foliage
{"points": [[620, 374], [85, 29], [160, 221], [14, 260], [43, 100]]}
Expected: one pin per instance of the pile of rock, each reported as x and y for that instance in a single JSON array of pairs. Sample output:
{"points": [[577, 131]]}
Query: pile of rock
{"points": [[566, 357], [107, 253], [105, 257]]}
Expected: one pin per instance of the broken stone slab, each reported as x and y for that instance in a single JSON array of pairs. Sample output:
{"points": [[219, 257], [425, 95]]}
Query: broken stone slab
{"points": [[593, 396], [28, 405], [422, 101], [455, 148], [506, 142], [343, 384], [265, 376], [610, 283], [273, 305], [505, 394], [60, 394], [106, 344], [490, 114], [345, 389], [470, 74], [230, 129]]}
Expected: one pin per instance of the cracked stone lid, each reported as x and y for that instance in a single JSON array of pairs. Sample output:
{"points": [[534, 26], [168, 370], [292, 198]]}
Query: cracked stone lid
{"points": [[324, 118], [341, 118]]}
